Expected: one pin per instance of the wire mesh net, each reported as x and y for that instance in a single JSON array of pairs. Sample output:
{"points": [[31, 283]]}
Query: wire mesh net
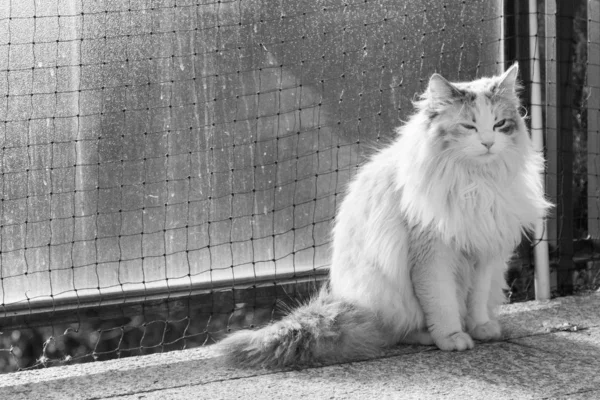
{"points": [[570, 44], [588, 66], [171, 168], [581, 116]]}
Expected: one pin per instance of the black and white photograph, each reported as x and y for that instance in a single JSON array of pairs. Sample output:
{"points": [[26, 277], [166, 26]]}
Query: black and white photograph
{"points": [[299, 199]]}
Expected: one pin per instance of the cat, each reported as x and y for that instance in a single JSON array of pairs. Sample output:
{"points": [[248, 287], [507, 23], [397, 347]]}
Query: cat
{"points": [[422, 237]]}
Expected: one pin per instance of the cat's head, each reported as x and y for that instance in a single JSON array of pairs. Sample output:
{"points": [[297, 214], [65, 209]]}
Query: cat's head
{"points": [[476, 122]]}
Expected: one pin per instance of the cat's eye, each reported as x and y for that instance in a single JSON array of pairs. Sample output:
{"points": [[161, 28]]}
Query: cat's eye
{"points": [[504, 126], [469, 127], [499, 124]]}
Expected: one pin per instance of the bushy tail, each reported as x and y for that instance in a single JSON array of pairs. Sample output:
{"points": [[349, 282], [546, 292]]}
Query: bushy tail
{"points": [[323, 331]]}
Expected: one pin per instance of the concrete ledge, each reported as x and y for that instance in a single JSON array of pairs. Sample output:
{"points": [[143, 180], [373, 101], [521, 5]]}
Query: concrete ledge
{"points": [[552, 349]]}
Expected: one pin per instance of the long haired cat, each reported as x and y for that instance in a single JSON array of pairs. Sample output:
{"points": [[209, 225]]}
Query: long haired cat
{"points": [[422, 237]]}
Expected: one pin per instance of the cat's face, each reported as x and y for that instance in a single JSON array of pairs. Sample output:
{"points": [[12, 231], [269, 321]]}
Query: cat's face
{"points": [[476, 121]]}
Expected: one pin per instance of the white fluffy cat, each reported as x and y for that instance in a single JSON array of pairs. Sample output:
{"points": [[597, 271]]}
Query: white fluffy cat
{"points": [[422, 237]]}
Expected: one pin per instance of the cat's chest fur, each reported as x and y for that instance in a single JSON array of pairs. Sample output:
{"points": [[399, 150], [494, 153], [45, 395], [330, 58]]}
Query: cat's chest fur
{"points": [[481, 217], [473, 213]]}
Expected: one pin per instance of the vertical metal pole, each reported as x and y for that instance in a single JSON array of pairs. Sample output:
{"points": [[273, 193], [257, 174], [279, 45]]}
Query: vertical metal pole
{"points": [[551, 91], [593, 118], [502, 55], [540, 240], [559, 129]]}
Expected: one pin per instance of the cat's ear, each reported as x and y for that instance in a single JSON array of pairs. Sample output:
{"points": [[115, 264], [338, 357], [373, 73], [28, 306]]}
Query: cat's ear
{"points": [[440, 89], [508, 80]]}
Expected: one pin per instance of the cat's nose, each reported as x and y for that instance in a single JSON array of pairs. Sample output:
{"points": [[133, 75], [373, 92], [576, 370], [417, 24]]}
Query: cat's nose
{"points": [[488, 144]]}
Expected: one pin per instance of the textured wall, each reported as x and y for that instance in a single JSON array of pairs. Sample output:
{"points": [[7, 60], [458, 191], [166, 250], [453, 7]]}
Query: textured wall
{"points": [[152, 143]]}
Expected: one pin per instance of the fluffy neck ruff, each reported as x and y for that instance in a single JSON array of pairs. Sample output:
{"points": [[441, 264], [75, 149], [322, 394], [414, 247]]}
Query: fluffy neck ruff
{"points": [[478, 208]]}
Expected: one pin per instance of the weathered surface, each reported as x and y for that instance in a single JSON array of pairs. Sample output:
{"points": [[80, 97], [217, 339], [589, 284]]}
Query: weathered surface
{"points": [[552, 349]]}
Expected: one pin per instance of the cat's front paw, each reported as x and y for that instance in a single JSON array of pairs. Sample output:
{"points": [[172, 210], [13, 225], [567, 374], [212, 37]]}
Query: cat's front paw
{"points": [[488, 331], [458, 341]]}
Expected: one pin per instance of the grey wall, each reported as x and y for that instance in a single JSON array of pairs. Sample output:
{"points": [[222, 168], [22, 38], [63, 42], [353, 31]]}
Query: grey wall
{"points": [[164, 143]]}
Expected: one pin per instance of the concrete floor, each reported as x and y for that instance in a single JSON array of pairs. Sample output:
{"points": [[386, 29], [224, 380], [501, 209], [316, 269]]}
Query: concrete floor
{"points": [[551, 350]]}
